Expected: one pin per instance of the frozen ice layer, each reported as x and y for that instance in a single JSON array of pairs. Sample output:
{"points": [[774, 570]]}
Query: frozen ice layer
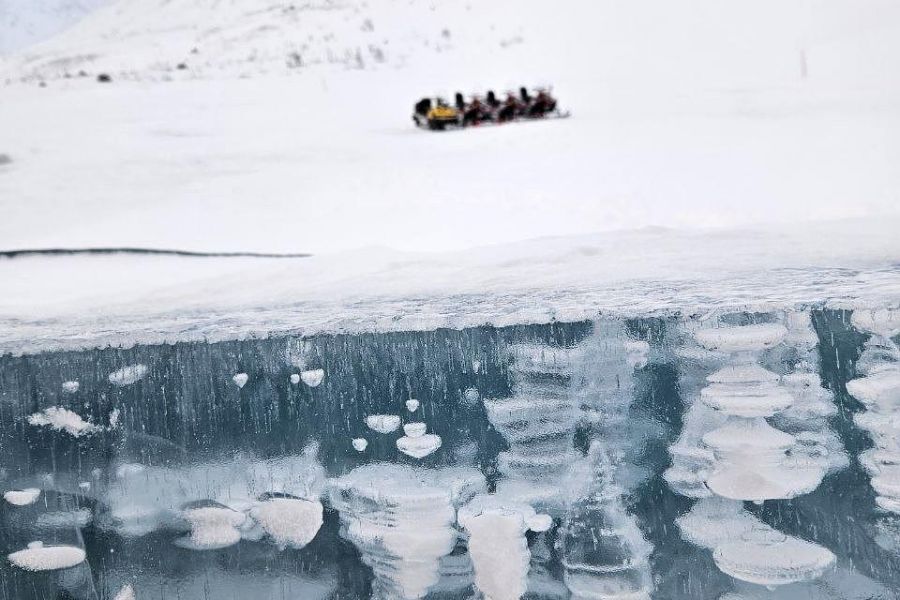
{"points": [[291, 522], [747, 338], [419, 446], [63, 419], [313, 377], [543, 360], [37, 557], [240, 379], [767, 557], [142, 499], [64, 519], [22, 497], [383, 423], [403, 521], [128, 375], [70, 387]]}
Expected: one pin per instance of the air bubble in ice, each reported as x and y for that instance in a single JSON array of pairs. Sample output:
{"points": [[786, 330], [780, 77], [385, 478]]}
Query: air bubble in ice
{"points": [[414, 430], [313, 378], [37, 557], [419, 447], [383, 423], [128, 375], [22, 497], [62, 419], [126, 593], [291, 522]]}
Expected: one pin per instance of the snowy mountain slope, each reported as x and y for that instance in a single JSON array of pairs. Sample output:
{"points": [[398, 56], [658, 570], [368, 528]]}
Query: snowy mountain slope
{"points": [[25, 22], [686, 116], [146, 40]]}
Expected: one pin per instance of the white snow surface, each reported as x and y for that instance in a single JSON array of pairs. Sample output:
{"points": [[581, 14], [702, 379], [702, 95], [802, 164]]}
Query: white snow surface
{"points": [[745, 154]]}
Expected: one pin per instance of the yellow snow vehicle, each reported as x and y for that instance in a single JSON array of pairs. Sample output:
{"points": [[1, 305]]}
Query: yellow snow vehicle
{"points": [[436, 114]]}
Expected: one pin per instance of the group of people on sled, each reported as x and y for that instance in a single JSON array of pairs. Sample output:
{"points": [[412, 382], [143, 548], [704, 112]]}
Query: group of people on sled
{"points": [[491, 108]]}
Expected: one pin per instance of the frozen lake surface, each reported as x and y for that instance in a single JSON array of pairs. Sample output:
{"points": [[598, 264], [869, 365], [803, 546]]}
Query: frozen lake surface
{"points": [[587, 454]]}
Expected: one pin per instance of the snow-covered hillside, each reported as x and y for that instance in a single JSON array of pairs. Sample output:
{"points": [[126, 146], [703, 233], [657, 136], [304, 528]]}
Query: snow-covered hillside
{"points": [[287, 130], [26, 22]]}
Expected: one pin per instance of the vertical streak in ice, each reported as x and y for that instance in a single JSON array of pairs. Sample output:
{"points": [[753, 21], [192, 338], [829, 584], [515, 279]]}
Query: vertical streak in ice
{"points": [[604, 553], [879, 391], [538, 422], [807, 418]]}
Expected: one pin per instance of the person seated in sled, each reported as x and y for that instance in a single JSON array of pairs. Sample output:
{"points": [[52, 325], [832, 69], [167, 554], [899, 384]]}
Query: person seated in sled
{"points": [[491, 100], [510, 109], [544, 103], [423, 106], [525, 96], [475, 112], [460, 102]]}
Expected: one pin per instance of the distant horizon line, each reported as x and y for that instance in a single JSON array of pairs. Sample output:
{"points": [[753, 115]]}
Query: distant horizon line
{"points": [[154, 251]]}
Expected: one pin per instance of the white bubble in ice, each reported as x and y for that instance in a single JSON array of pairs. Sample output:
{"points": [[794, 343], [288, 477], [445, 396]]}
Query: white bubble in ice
{"points": [[383, 423], [414, 430], [419, 447], [313, 377], [128, 375], [22, 497]]}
